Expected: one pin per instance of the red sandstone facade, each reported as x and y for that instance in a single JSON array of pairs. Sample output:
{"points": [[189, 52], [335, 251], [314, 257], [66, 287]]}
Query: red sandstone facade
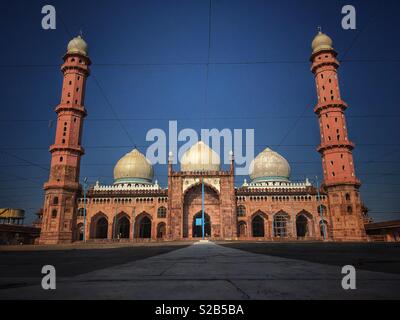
{"points": [[270, 207]]}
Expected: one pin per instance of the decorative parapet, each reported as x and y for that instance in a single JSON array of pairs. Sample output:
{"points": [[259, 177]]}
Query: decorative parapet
{"points": [[276, 185], [276, 188], [126, 187]]}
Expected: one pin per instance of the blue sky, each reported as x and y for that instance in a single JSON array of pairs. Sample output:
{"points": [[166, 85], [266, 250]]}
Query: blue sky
{"points": [[149, 66]]}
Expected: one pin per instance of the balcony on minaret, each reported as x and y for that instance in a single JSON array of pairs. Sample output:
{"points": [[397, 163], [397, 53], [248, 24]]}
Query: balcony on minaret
{"points": [[330, 104], [335, 144], [340, 180]]}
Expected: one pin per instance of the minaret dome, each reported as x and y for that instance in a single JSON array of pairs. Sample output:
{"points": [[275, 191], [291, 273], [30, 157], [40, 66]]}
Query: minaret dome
{"points": [[78, 45], [321, 42]]}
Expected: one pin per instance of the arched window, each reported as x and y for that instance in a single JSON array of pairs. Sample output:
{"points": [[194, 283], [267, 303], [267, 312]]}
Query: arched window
{"points": [[242, 229], [241, 211], [322, 210], [161, 230], [54, 213], [55, 200], [280, 225], [323, 228], [348, 197], [257, 226], [81, 212], [162, 212], [349, 209]]}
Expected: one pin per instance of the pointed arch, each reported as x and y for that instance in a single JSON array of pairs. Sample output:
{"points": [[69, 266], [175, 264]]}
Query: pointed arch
{"points": [[281, 224], [161, 230], [143, 225], [304, 224], [242, 229], [99, 226], [122, 226], [259, 213], [257, 226]]}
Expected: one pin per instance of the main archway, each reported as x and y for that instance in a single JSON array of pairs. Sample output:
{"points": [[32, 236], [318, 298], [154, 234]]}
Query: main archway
{"points": [[193, 206], [197, 229]]}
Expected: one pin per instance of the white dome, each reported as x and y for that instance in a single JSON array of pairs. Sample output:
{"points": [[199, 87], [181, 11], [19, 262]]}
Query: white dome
{"points": [[133, 168], [269, 166], [200, 157]]}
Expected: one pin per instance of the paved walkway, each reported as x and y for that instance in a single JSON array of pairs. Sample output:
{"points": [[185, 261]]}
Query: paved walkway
{"points": [[210, 271]]}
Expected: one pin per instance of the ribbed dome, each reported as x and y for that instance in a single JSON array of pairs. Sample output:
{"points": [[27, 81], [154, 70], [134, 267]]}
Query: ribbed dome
{"points": [[200, 157], [133, 168], [78, 45], [321, 42], [269, 166]]}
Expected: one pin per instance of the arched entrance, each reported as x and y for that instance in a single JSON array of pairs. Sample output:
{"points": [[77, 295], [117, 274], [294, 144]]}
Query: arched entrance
{"points": [[257, 227], [101, 228], [301, 226], [161, 230], [198, 229], [143, 229], [123, 228], [193, 206], [242, 232]]}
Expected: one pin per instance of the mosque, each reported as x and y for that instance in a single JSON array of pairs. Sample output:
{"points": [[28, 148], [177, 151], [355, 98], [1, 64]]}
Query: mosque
{"points": [[270, 207]]}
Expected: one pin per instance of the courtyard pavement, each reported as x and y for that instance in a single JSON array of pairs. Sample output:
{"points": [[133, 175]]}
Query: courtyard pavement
{"points": [[211, 271]]}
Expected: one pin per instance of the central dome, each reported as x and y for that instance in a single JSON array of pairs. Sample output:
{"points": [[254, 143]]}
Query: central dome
{"points": [[269, 166], [200, 157], [133, 168]]}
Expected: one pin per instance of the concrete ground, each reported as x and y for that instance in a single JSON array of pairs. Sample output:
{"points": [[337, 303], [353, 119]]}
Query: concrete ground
{"points": [[197, 271]]}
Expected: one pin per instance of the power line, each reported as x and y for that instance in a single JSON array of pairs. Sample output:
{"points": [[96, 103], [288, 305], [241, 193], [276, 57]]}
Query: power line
{"points": [[200, 63], [200, 118], [253, 145], [23, 159]]}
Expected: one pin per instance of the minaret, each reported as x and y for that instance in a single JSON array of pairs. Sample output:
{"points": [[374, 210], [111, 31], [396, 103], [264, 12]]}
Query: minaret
{"points": [[62, 188], [340, 181]]}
